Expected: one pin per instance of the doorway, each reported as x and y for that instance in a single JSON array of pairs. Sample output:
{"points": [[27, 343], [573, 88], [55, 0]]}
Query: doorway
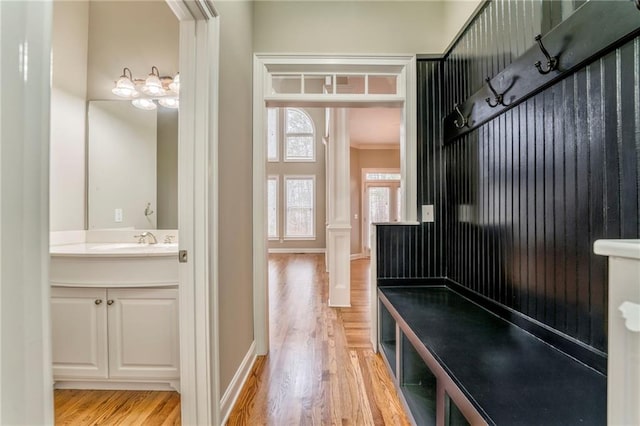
{"points": [[382, 196], [272, 77], [195, 192]]}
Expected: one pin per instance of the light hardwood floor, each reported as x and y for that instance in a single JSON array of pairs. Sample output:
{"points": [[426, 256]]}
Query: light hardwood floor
{"points": [[93, 407], [321, 369]]}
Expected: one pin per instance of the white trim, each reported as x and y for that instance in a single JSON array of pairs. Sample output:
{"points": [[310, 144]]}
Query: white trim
{"points": [[138, 386], [390, 145], [358, 256], [373, 291], [297, 250], [230, 396], [263, 63], [275, 159], [198, 192], [276, 237]]}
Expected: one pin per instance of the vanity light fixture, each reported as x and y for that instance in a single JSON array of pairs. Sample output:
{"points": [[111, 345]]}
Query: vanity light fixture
{"points": [[175, 84], [169, 102], [125, 86], [144, 103], [153, 85], [156, 89]]}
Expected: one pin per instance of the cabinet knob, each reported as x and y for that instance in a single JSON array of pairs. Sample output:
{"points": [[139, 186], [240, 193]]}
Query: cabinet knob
{"points": [[98, 301], [110, 302]]}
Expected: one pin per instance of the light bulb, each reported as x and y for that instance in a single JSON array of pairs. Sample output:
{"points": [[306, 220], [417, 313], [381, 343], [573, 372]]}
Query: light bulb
{"points": [[169, 102], [144, 103], [153, 85], [175, 84], [124, 86]]}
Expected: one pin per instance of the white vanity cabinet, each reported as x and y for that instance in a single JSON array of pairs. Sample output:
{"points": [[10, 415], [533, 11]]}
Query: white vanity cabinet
{"points": [[115, 335], [79, 333], [143, 334]]}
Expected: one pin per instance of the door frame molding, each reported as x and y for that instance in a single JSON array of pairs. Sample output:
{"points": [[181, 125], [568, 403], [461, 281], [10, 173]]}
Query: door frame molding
{"points": [[332, 64], [198, 210]]}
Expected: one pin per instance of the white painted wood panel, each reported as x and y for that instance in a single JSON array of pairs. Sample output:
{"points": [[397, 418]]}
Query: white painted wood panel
{"points": [[143, 334], [79, 333]]}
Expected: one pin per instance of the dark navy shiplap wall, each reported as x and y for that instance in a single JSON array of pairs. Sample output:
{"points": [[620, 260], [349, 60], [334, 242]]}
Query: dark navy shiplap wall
{"points": [[530, 191], [520, 200]]}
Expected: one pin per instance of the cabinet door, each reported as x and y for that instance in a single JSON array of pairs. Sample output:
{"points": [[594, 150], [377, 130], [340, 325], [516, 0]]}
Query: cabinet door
{"points": [[143, 334], [79, 333]]}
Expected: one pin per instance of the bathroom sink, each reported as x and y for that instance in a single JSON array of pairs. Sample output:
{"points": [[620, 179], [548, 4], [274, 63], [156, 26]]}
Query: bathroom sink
{"points": [[133, 246], [115, 249]]}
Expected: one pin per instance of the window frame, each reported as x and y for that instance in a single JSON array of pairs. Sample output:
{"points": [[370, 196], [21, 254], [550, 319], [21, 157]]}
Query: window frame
{"points": [[276, 111], [275, 178], [285, 136], [285, 208]]}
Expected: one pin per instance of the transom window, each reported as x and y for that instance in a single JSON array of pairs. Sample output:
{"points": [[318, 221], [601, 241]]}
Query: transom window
{"points": [[382, 176], [299, 137]]}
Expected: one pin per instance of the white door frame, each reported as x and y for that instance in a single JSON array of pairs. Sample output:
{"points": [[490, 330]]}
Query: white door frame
{"points": [[25, 220], [198, 210], [336, 64]]}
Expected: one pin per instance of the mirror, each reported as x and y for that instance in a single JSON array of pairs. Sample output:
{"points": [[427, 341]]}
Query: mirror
{"points": [[132, 167]]}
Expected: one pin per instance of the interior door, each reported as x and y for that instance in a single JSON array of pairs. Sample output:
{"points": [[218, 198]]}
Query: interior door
{"points": [[381, 205]]}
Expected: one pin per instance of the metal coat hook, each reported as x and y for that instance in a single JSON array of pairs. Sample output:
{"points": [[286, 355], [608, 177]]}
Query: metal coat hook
{"points": [[498, 97], [552, 62], [463, 120]]}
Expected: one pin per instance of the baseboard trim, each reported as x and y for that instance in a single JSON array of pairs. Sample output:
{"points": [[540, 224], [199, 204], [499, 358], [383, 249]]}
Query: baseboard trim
{"points": [[239, 379], [297, 250], [357, 256], [169, 385]]}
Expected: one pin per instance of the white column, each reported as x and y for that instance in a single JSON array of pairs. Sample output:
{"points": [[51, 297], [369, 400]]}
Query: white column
{"points": [[339, 212], [26, 381]]}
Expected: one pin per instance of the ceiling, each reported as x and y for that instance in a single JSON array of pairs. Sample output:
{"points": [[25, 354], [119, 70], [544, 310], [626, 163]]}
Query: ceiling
{"points": [[374, 127]]}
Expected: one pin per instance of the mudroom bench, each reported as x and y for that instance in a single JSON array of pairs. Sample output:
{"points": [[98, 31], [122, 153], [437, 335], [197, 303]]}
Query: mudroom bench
{"points": [[456, 363]]}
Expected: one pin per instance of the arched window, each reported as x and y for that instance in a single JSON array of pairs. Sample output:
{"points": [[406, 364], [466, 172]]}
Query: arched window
{"points": [[299, 136]]}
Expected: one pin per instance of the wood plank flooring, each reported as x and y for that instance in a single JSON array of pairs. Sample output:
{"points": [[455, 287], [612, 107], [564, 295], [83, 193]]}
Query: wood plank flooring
{"points": [[321, 369], [116, 407]]}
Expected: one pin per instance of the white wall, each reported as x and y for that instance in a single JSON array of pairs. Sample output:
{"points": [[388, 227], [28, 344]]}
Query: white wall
{"points": [[350, 27], [133, 34], [235, 196], [68, 111], [456, 14]]}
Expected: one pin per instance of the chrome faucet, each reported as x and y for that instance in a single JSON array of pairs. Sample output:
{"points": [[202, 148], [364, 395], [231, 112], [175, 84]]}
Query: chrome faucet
{"points": [[142, 238]]}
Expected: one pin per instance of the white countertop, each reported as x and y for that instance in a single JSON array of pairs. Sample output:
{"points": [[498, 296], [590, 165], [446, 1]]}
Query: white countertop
{"points": [[114, 250], [618, 248]]}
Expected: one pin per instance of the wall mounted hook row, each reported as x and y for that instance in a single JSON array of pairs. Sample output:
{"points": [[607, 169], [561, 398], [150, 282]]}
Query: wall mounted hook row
{"points": [[462, 121], [552, 61], [497, 97]]}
